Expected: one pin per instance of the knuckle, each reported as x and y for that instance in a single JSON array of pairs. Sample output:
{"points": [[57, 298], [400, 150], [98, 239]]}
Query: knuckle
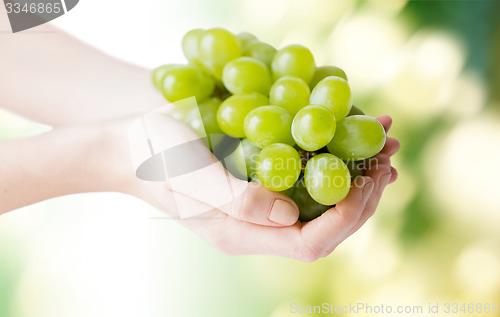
{"points": [[242, 208], [307, 252], [309, 255], [348, 217], [221, 242]]}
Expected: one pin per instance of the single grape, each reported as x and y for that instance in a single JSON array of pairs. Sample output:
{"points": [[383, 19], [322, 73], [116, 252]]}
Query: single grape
{"points": [[308, 207], [267, 125], [327, 179], [326, 71], [246, 39], [334, 93], [278, 166], [159, 73], [217, 47], [295, 61], [313, 127], [232, 112], [355, 111], [357, 138], [291, 93], [186, 81], [262, 51], [246, 75], [190, 45], [245, 157], [203, 120]]}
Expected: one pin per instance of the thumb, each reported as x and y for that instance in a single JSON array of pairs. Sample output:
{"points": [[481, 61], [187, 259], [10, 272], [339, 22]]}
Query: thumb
{"points": [[259, 205]]}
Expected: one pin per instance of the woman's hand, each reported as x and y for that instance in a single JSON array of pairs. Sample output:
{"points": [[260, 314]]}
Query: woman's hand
{"points": [[255, 220]]}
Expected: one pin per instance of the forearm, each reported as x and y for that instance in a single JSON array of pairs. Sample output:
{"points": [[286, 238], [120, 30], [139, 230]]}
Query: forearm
{"points": [[64, 161], [55, 79]]}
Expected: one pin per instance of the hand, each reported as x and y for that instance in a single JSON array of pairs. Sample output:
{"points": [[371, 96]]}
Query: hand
{"points": [[257, 220]]}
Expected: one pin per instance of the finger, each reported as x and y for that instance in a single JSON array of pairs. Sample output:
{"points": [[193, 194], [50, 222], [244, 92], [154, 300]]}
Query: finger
{"points": [[259, 205], [386, 122], [391, 146], [381, 175], [324, 233], [394, 175], [234, 236]]}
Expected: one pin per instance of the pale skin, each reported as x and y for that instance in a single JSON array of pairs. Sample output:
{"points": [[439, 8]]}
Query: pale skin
{"points": [[101, 97]]}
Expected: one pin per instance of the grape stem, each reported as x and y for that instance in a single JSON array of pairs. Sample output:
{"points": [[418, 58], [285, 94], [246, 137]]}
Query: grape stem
{"points": [[305, 156]]}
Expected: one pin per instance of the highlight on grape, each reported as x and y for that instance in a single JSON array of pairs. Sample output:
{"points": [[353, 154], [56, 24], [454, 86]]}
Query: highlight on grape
{"points": [[281, 120]]}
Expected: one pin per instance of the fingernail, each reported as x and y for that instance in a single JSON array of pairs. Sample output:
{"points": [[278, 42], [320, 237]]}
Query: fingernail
{"points": [[384, 180], [367, 191], [283, 213]]}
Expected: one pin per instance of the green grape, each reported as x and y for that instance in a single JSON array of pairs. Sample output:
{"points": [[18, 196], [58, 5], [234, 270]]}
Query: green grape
{"points": [[356, 168], [217, 47], [246, 39], [355, 111], [326, 71], [267, 125], [313, 127], [185, 81], [181, 112], [334, 93], [278, 166], [262, 51], [327, 179], [245, 75], [190, 45], [294, 60], [232, 112], [245, 157], [290, 191], [159, 73], [290, 93], [308, 207], [203, 120], [357, 138]]}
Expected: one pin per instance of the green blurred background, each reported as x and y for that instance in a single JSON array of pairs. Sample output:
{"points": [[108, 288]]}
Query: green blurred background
{"points": [[433, 65]]}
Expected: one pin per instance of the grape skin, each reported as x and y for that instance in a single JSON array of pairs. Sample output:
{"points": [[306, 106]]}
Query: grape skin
{"points": [[245, 157], [245, 75], [186, 81], [203, 120], [246, 39], [233, 111], [290, 93], [327, 179], [313, 127], [159, 73], [294, 60], [261, 51], [217, 47], [357, 138], [326, 71], [267, 125], [278, 166], [334, 93]]}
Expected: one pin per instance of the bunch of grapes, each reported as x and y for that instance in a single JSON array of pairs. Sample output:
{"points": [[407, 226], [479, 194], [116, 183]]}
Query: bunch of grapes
{"points": [[297, 129]]}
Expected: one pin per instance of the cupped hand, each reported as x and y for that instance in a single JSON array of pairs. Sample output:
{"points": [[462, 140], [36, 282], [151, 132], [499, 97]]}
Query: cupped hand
{"points": [[238, 217]]}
